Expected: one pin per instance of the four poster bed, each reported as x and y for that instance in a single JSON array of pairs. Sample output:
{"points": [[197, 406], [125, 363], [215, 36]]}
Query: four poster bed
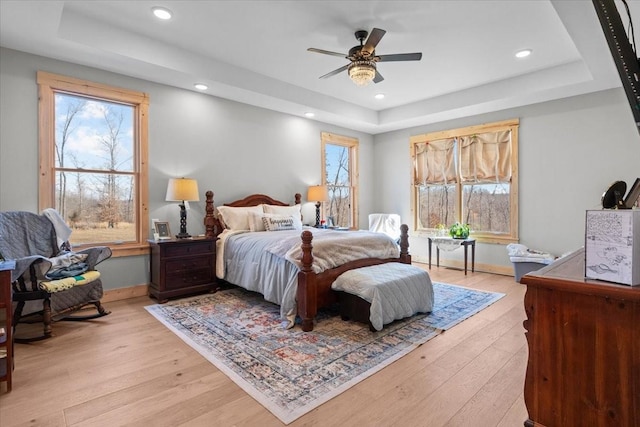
{"points": [[284, 269]]}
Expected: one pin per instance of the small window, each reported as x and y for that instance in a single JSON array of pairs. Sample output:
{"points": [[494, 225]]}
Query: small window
{"points": [[468, 175], [339, 169], [93, 145]]}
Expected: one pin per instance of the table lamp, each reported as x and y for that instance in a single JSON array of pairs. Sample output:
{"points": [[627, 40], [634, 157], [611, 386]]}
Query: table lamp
{"points": [[182, 190], [318, 194]]}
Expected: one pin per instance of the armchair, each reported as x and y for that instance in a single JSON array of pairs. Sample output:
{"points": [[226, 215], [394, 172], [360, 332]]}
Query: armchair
{"points": [[48, 271]]}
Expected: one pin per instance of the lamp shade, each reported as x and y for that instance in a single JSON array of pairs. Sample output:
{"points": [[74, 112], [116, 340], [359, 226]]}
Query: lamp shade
{"points": [[182, 189], [318, 193]]}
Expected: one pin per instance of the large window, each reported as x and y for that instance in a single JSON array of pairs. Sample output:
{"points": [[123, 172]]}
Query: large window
{"points": [[93, 161], [339, 169], [468, 175]]}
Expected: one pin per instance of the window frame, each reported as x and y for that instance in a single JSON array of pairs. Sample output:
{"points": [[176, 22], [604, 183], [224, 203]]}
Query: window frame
{"points": [[48, 85], [485, 237], [352, 144]]}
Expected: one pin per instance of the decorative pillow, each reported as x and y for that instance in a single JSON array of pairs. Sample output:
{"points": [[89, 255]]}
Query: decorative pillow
{"points": [[255, 221], [293, 211], [278, 223], [237, 218]]}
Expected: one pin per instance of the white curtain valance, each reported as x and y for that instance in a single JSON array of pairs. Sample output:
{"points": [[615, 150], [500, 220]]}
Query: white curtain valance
{"points": [[486, 157], [435, 162]]}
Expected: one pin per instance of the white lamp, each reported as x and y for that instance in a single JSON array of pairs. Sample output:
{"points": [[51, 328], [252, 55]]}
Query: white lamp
{"points": [[182, 190], [318, 194]]}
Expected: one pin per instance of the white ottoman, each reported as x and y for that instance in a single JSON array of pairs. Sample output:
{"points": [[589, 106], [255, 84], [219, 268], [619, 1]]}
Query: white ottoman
{"points": [[382, 293]]}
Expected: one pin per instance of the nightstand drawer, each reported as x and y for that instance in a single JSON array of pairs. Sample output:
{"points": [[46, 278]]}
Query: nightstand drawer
{"points": [[192, 248], [192, 263], [187, 278]]}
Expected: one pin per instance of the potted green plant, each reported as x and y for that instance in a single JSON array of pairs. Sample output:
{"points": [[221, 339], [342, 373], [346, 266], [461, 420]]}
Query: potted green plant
{"points": [[459, 231]]}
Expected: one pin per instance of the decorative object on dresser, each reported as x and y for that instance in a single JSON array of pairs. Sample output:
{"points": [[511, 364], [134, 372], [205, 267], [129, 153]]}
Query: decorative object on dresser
{"points": [[318, 194], [612, 245], [6, 329], [48, 271], [290, 371], [182, 267], [162, 230], [291, 275], [182, 190], [584, 348]]}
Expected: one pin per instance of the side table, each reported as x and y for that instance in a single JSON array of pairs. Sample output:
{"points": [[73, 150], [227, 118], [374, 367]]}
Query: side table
{"points": [[461, 242], [6, 329], [182, 267]]}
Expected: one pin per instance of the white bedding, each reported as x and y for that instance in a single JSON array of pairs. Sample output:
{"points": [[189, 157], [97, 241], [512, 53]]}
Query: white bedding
{"points": [[268, 262]]}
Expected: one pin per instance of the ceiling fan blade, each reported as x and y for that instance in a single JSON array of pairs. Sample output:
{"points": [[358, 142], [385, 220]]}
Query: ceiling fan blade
{"points": [[334, 72], [327, 52], [378, 78], [373, 40], [400, 57]]}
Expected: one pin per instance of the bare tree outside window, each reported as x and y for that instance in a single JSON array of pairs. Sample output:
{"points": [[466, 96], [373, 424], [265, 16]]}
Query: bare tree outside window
{"points": [[96, 136], [93, 157], [468, 175], [339, 170]]}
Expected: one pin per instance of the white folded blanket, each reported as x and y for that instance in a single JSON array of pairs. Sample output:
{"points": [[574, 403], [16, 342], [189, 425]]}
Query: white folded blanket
{"points": [[520, 253]]}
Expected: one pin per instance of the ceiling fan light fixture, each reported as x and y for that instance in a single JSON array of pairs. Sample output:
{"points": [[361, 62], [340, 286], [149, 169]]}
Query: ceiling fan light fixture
{"points": [[362, 72]]}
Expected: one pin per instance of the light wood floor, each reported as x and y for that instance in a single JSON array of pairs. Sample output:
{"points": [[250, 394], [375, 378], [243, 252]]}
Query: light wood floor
{"points": [[128, 369]]}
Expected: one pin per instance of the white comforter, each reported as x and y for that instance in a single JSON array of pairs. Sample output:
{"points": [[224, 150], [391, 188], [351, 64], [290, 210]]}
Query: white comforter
{"points": [[333, 248], [269, 262]]}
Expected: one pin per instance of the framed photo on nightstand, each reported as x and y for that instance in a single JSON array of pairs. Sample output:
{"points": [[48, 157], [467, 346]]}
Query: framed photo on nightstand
{"points": [[163, 230]]}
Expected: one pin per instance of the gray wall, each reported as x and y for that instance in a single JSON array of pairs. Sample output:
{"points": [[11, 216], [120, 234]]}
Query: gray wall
{"points": [[231, 148], [236, 149], [570, 151]]}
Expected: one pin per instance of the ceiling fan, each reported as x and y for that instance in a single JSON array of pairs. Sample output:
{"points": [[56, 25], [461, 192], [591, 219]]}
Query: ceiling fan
{"points": [[362, 68]]}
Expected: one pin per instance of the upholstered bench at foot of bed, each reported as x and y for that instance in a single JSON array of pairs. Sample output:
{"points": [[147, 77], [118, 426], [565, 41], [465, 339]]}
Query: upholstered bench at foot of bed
{"points": [[382, 293]]}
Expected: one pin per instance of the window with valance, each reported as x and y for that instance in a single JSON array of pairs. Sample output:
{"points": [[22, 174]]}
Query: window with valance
{"points": [[468, 175]]}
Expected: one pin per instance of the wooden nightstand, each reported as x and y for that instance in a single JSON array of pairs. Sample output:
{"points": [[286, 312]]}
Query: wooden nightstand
{"points": [[182, 267], [6, 329]]}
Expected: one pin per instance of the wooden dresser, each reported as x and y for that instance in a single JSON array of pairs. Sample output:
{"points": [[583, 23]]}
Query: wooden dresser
{"points": [[182, 267], [584, 348]]}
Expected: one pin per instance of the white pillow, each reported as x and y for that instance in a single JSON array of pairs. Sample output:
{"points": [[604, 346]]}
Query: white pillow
{"points": [[293, 211], [255, 221], [237, 218], [278, 222]]}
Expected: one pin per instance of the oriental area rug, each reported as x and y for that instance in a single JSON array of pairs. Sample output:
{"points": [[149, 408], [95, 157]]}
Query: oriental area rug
{"points": [[291, 372]]}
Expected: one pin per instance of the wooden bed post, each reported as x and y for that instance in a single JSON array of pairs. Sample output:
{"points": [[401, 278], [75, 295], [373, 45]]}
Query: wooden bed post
{"points": [[307, 301], [404, 244], [209, 220]]}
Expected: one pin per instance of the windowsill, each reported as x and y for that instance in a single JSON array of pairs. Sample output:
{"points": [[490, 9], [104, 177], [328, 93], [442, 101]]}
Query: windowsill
{"points": [[125, 249], [497, 239]]}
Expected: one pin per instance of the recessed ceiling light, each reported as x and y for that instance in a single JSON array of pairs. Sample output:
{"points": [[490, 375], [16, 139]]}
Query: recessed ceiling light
{"points": [[523, 53], [161, 12], [379, 96], [201, 86], [309, 114]]}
